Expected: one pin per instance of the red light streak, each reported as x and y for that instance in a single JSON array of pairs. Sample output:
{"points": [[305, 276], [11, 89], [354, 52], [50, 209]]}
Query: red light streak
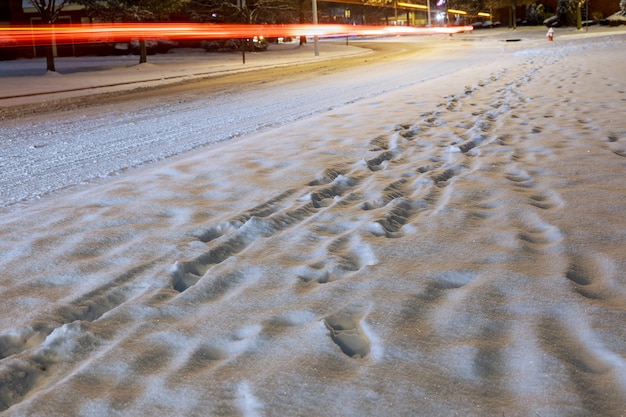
{"points": [[123, 32]]}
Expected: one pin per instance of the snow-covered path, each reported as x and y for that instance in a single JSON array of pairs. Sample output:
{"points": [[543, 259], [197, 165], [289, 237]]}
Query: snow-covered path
{"points": [[451, 246]]}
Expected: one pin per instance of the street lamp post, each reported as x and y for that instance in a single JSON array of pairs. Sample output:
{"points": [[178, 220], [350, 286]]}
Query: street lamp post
{"points": [[315, 37], [395, 12]]}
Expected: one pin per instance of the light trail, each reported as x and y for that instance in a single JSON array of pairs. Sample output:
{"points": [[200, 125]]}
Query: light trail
{"points": [[123, 32]]}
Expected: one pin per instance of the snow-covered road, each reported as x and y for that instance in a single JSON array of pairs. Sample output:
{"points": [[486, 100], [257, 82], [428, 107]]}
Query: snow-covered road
{"points": [[43, 153]]}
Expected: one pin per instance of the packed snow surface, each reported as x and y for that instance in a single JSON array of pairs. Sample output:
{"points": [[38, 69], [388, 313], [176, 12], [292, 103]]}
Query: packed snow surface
{"points": [[440, 234]]}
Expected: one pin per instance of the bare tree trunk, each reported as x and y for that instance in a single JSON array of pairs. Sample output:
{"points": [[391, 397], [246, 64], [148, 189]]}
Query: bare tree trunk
{"points": [[514, 13], [50, 58], [561, 11], [143, 51]]}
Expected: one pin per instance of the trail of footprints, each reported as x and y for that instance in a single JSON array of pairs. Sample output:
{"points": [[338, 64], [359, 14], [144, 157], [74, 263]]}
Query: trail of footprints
{"points": [[402, 200], [23, 366], [400, 203]]}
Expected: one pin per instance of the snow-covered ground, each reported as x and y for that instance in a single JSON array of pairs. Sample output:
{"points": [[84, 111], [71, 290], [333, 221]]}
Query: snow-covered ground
{"points": [[441, 234]]}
